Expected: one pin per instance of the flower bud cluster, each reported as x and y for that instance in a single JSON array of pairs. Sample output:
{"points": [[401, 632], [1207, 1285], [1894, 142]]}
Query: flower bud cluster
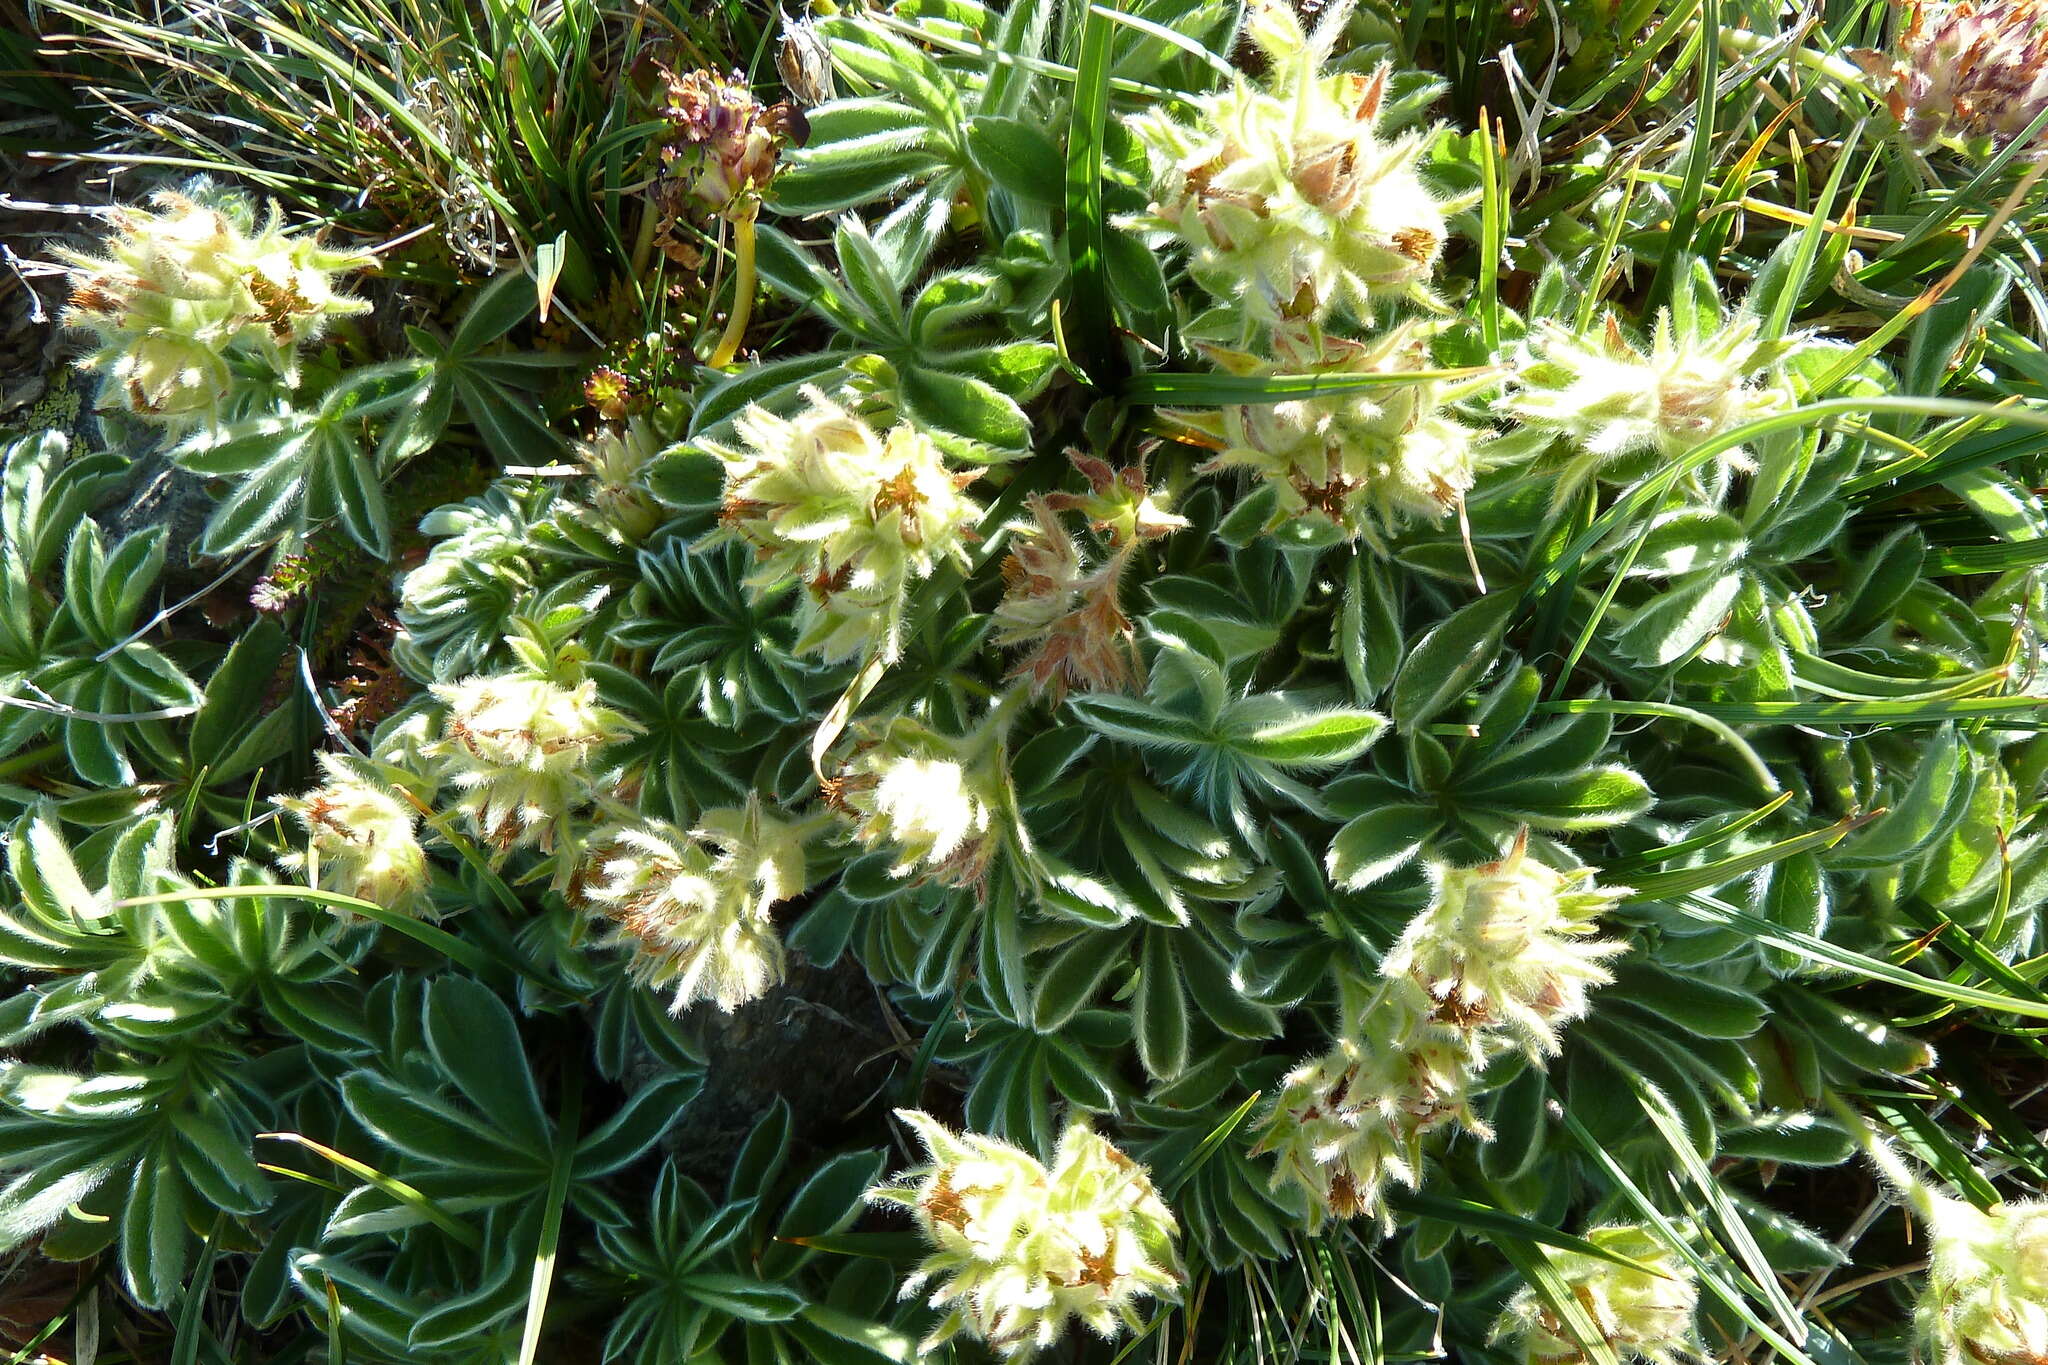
{"points": [[362, 839], [1970, 74], [1499, 960], [723, 144], [695, 906], [1609, 398], [615, 458], [185, 289], [854, 516], [1643, 1314], [1020, 1251], [1290, 197], [1363, 460], [521, 752]]}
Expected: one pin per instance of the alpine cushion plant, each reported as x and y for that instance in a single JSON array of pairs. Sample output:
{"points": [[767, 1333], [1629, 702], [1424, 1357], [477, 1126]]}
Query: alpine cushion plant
{"points": [[1386, 731]]}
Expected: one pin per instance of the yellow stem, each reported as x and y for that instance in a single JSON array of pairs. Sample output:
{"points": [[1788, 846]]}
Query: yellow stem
{"points": [[742, 294]]}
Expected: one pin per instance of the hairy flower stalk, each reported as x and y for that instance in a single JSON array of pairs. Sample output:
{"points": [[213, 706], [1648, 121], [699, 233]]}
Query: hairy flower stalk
{"points": [[1290, 198], [696, 907], [1967, 74], [183, 292], [723, 148], [853, 516], [1498, 960], [1610, 399], [1065, 608], [1366, 460], [521, 751], [1020, 1251], [362, 839], [1643, 1314]]}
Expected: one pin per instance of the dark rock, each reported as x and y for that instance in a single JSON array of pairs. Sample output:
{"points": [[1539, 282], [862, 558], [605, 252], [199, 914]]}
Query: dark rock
{"points": [[818, 1041]]}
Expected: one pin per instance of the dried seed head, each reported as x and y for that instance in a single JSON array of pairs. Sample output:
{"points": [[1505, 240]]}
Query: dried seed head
{"points": [[1065, 612]]}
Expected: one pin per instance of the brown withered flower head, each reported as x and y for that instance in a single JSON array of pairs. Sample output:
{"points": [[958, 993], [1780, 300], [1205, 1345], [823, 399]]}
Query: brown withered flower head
{"points": [[723, 145], [1969, 74], [1065, 607]]}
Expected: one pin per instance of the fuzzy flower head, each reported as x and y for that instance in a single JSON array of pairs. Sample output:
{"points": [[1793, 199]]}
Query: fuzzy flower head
{"points": [[696, 906], [854, 516], [1290, 197], [1643, 1314], [1350, 1123], [1365, 460], [362, 839], [924, 802], [615, 458], [1986, 1297], [521, 751], [1019, 1251], [723, 144], [183, 291], [1610, 399], [1507, 945], [1967, 74]]}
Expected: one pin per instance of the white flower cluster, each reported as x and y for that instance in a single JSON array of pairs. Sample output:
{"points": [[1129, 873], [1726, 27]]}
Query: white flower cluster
{"points": [[520, 752], [1289, 196], [1611, 399], [853, 516], [696, 906], [1644, 1314], [1020, 1251], [1365, 459], [1296, 206], [1500, 958], [362, 839], [182, 290], [1986, 1297]]}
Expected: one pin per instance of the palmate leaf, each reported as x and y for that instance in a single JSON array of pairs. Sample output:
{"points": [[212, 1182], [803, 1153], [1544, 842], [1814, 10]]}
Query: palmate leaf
{"points": [[1224, 747], [937, 349]]}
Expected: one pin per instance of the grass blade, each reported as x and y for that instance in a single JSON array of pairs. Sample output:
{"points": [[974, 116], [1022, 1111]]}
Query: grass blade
{"points": [[1088, 319]]}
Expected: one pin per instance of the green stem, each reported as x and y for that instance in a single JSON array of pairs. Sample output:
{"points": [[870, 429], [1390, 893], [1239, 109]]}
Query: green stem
{"points": [[742, 293]]}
